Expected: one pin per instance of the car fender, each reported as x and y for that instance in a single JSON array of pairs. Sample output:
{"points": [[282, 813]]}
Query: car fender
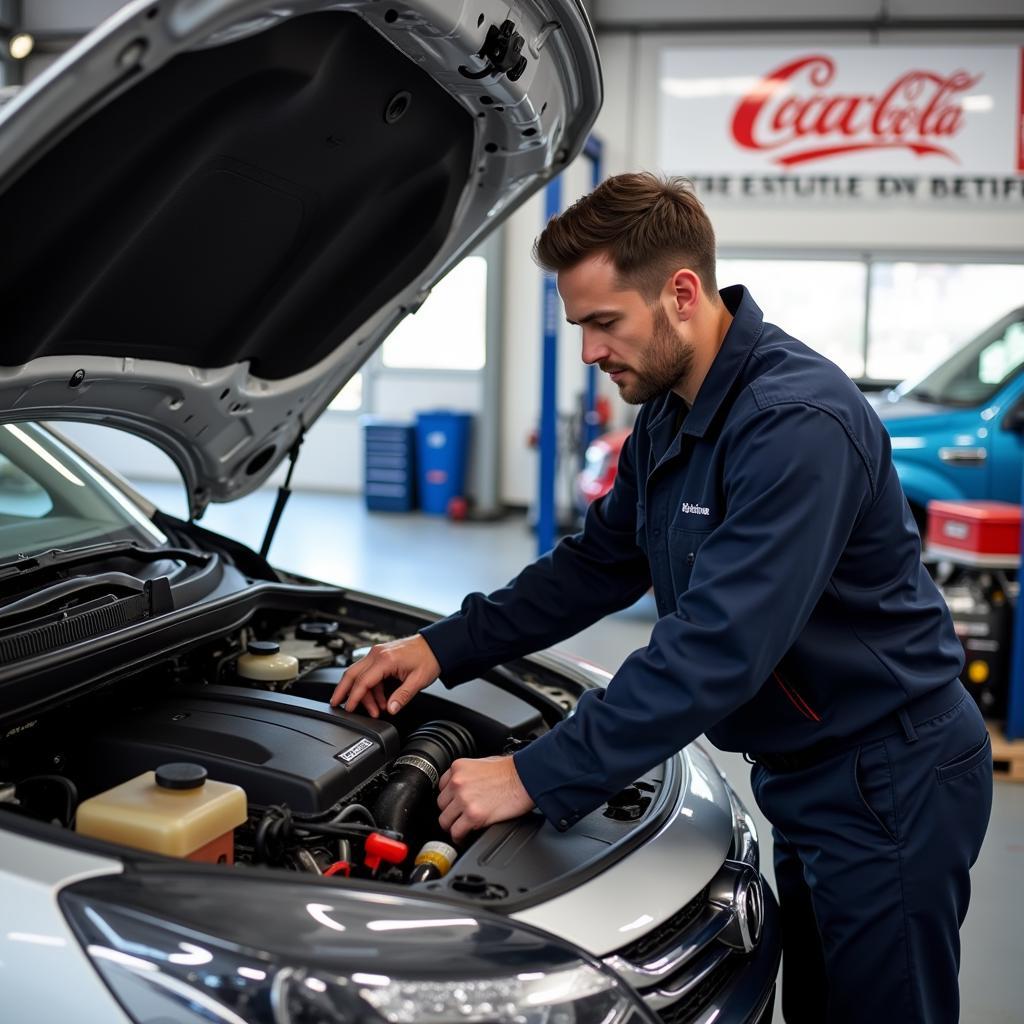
{"points": [[922, 484]]}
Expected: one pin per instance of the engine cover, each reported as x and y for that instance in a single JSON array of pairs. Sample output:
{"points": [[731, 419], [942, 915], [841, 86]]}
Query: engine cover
{"points": [[278, 748]]}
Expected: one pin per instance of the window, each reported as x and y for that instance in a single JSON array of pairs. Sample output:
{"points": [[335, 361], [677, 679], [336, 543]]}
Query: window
{"points": [[819, 302], [350, 397], [448, 332], [922, 312], [21, 497], [975, 372], [50, 498]]}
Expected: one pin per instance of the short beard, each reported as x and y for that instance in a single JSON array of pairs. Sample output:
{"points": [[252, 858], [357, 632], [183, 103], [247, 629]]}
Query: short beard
{"points": [[666, 362]]}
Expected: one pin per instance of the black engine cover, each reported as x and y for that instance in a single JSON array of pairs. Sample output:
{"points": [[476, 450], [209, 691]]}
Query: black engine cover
{"points": [[278, 748]]}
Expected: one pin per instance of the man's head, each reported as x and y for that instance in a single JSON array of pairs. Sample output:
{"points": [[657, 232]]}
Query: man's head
{"points": [[635, 261]]}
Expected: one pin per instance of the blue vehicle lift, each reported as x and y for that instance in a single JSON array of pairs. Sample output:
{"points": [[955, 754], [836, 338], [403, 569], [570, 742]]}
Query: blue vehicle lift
{"points": [[592, 150], [1015, 694]]}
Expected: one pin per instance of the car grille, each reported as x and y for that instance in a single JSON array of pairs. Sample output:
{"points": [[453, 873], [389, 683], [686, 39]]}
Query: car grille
{"points": [[679, 967], [661, 939], [684, 1010]]}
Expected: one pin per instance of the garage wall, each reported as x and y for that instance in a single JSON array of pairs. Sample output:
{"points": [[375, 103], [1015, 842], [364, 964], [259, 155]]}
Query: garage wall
{"points": [[629, 124]]}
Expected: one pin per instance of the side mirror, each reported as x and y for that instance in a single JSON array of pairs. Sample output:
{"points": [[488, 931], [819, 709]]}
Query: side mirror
{"points": [[1014, 419]]}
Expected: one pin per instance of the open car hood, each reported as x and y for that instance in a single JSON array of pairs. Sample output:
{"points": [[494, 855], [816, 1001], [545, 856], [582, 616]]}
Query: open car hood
{"points": [[215, 210]]}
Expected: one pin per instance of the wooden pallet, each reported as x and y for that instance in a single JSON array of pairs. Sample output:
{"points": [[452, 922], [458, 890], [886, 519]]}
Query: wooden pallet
{"points": [[1007, 756]]}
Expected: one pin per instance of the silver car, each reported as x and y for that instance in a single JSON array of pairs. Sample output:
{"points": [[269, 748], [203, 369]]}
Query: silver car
{"points": [[214, 212]]}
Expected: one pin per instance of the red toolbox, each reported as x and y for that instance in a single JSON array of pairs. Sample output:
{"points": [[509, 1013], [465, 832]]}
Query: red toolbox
{"points": [[981, 533]]}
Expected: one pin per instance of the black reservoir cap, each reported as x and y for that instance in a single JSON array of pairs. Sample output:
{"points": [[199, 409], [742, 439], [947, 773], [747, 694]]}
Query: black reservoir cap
{"points": [[263, 647], [180, 775]]}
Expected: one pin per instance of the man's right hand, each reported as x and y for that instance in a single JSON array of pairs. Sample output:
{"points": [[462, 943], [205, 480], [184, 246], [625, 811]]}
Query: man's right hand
{"points": [[409, 660]]}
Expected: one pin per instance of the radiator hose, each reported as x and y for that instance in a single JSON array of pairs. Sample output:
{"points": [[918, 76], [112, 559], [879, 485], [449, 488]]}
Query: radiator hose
{"points": [[415, 774]]}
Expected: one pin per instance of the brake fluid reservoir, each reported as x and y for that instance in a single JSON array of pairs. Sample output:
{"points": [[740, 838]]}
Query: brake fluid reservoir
{"points": [[265, 663], [175, 810]]}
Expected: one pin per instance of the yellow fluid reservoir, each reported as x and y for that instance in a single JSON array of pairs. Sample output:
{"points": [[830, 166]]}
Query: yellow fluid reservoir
{"points": [[264, 662], [175, 810]]}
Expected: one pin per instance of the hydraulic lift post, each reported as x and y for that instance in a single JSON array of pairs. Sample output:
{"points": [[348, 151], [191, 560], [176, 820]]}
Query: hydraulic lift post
{"points": [[548, 461]]}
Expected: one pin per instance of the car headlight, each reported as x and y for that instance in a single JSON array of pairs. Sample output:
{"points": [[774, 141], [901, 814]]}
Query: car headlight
{"points": [[229, 949]]}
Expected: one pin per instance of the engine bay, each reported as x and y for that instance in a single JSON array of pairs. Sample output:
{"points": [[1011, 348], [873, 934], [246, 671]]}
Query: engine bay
{"points": [[326, 792]]}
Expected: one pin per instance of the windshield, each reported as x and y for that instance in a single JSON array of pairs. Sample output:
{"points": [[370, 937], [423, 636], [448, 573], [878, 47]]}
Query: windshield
{"points": [[50, 498], [973, 374]]}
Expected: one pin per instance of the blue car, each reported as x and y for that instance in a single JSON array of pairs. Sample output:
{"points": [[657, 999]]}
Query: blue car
{"points": [[958, 433]]}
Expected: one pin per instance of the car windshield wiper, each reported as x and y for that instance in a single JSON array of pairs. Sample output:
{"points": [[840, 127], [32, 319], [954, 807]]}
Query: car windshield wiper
{"points": [[26, 565]]}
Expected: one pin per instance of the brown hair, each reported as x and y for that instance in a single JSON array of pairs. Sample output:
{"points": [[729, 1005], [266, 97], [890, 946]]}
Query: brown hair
{"points": [[649, 227]]}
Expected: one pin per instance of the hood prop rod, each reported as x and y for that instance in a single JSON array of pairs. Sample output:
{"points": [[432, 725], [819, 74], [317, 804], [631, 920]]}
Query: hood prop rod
{"points": [[284, 492]]}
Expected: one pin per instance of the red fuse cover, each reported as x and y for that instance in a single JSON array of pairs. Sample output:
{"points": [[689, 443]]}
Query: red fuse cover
{"points": [[980, 533], [380, 848]]}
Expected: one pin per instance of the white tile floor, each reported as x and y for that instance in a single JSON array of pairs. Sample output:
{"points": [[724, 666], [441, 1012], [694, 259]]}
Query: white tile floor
{"points": [[432, 563]]}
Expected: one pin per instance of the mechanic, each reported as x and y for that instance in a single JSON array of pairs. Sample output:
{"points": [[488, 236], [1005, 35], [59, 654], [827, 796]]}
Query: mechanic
{"points": [[796, 624]]}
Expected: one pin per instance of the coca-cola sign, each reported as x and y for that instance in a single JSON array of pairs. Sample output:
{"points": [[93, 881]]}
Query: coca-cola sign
{"points": [[796, 115], [867, 111]]}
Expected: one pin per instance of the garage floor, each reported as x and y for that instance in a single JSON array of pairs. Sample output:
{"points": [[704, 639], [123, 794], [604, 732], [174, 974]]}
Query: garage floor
{"points": [[431, 563]]}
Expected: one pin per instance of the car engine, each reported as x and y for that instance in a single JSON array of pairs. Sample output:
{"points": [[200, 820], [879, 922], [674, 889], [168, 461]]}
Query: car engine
{"points": [[326, 791]]}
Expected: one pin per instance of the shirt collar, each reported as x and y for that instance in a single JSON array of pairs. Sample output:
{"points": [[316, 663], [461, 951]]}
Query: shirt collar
{"points": [[745, 329]]}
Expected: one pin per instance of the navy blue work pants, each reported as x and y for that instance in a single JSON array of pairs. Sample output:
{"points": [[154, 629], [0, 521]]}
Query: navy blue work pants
{"points": [[872, 855]]}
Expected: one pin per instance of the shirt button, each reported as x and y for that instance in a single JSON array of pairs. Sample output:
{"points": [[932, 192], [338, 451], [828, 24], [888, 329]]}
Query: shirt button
{"points": [[691, 558], [563, 823]]}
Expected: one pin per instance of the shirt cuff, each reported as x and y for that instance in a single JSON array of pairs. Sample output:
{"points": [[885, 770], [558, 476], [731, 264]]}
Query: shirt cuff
{"points": [[449, 640], [563, 803]]}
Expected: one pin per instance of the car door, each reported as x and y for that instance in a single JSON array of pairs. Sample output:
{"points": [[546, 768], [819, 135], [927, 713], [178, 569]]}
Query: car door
{"points": [[1006, 420]]}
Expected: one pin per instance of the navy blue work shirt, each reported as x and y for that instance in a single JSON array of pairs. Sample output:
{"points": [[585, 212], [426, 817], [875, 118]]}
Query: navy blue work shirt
{"points": [[793, 606]]}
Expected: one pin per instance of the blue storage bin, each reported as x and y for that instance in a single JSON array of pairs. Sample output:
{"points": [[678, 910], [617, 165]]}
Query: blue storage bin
{"points": [[442, 452], [389, 473]]}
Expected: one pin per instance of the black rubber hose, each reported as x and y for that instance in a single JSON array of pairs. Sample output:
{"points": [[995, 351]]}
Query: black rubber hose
{"points": [[426, 756]]}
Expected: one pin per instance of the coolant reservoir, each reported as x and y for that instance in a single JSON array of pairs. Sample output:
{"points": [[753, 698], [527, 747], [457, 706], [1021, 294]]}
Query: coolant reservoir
{"points": [[264, 662], [175, 810]]}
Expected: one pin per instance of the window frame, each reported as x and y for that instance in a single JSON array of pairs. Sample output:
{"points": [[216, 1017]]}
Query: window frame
{"points": [[869, 258], [374, 370]]}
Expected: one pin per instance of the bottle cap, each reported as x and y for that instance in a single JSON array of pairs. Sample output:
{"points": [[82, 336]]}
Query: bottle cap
{"points": [[180, 775], [263, 647]]}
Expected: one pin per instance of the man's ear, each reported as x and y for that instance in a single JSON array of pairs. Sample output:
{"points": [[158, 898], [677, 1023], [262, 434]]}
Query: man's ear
{"points": [[685, 291]]}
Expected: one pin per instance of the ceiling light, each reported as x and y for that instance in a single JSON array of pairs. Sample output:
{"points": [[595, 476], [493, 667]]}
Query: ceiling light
{"points": [[20, 45]]}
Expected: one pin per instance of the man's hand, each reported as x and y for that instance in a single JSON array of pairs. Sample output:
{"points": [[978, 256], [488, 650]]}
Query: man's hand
{"points": [[409, 660], [479, 792]]}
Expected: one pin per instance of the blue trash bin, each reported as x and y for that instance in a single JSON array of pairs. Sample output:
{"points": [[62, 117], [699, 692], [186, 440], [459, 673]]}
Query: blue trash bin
{"points": [[442, 450]]}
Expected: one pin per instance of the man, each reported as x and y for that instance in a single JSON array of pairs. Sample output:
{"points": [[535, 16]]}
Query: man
{"points": [[797, 624]]}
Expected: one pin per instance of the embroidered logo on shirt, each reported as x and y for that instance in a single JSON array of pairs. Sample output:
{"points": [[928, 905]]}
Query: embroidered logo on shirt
{"points": [[695, 510]]}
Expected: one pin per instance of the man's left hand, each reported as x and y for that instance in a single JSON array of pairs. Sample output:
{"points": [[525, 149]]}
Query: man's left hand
{"points": [[479, 792]]}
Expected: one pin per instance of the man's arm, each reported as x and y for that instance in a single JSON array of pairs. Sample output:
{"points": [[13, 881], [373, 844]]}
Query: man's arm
{"points": [[795, 488], [585, 577]]}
